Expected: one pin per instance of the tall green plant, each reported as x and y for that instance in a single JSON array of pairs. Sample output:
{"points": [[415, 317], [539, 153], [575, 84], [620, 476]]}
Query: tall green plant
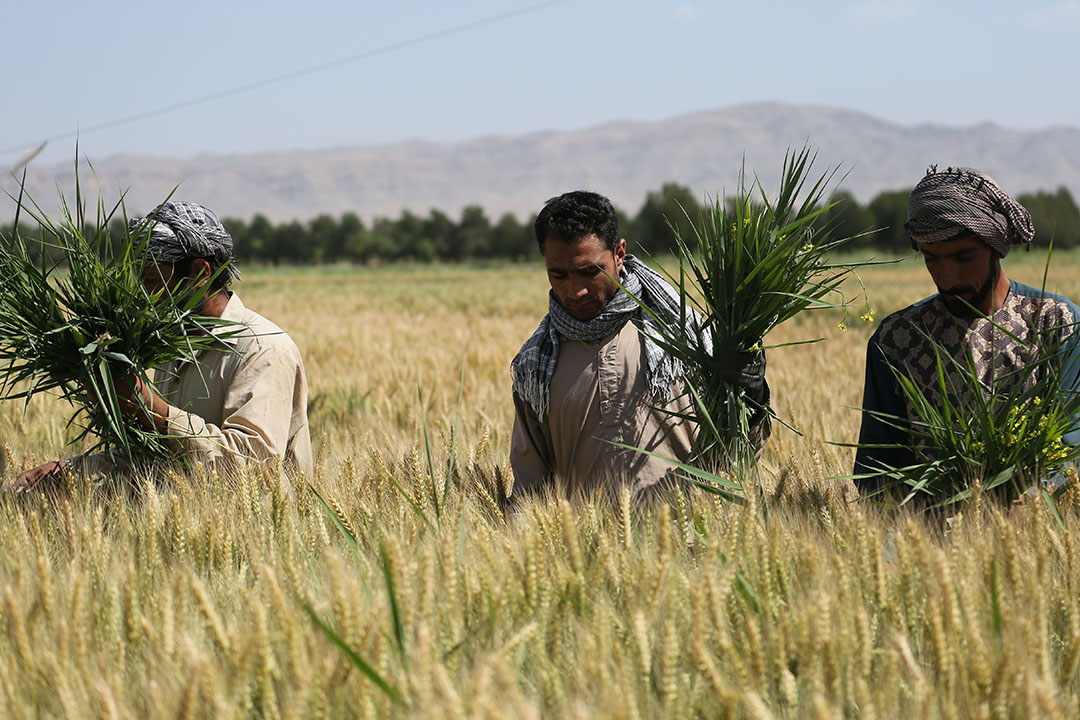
{"points": [[753, 261], [75, 320]]}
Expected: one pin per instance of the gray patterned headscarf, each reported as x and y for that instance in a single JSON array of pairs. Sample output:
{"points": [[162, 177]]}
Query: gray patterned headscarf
{"points": [[182, 230], [959, 200], [534, 365]]}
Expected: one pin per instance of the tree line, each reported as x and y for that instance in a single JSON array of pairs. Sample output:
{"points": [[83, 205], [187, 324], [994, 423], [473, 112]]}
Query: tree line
{"points": [[877, 226]]}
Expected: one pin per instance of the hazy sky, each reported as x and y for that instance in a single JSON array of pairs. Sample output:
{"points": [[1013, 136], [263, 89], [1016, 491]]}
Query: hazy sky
{"points": [[558, 65]]}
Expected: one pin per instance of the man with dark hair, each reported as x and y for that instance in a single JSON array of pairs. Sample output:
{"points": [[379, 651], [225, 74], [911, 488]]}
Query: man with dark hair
{"points": [[243, 404], [591, 378], [963, 224]]}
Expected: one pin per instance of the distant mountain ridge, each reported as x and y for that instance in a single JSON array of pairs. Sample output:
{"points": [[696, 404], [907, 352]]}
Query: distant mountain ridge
{"points": [[624, 160]]}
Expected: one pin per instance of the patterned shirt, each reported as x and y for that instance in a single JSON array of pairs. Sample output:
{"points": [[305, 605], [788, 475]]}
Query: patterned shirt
{"points": [[998, 347]]}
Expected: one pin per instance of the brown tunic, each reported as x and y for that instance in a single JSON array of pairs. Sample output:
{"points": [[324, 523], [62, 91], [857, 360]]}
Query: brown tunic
{"points": [[244, 405], [599, 396]]}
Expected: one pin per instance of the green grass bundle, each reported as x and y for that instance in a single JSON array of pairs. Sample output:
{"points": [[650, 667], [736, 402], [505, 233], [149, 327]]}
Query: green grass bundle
{"points": [[1000, 440], [75, 320], [752, 262]]}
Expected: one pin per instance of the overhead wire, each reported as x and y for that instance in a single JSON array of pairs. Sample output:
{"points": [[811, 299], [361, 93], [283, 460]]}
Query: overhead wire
{"points": [[284, 77]]}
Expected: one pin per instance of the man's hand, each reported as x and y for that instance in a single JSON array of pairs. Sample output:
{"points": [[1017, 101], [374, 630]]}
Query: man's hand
{"points": [[151, 411], [744, 369], [38, 477]]}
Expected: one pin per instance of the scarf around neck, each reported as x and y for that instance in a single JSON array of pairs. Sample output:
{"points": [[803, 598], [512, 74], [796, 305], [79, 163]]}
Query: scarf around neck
{"points": [[534, 365]]}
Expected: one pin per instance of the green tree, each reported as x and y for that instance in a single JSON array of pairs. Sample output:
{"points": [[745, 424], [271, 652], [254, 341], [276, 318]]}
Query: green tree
{"points": [[440, 230], [409, 236], [847, 218], [889, 210], [510, 239], [260, 239], [290, 244], [348, 241], [670, 207], [238, 230], [1055, 216], [474, 233], [381, 242], [322, 232]]}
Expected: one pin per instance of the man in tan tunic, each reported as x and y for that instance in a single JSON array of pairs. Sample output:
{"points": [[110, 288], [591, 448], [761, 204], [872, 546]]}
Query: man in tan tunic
{"points": [[590, 379], [245, 404]]}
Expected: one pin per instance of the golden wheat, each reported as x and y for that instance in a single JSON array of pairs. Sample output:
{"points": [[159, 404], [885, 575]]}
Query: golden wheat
{"points": [[186, 597]]}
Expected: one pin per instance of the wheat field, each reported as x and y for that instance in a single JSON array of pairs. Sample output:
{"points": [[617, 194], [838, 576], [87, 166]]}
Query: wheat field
{"points": [[189, 597]]}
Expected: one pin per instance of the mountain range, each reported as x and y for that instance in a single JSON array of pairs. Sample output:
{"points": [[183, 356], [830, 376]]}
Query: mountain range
{"points": [[624, 160]]}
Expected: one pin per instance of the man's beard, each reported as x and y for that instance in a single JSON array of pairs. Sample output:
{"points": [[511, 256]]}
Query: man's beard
{"points": [[591, 308], [969, 308]]}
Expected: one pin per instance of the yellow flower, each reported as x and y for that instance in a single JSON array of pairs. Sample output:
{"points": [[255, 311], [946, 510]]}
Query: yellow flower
{"points": [[808, 247], [978, 448], [867, 316], [842, 326], [1055, 451]]}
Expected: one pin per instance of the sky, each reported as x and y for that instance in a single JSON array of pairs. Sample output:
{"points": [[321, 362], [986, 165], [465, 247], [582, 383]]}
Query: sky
{"points": [[247, 77]]}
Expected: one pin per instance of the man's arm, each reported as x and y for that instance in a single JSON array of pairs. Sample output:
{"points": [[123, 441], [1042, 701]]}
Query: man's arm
{"points": [[39, 477], [529, 454], [45, 476], [1070, 377], [266, 391], [880, 394]]}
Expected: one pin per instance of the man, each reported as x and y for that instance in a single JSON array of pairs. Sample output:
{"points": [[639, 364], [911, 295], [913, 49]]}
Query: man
{"points": [[243, 404], [590, 376], [963, 224]]}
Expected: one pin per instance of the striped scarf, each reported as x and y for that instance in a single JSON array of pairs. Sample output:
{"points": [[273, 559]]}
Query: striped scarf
{"points": [[534, 365]]}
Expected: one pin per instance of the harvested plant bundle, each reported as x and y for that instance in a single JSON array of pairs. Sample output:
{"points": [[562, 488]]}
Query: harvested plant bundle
{"points": [[76, 320], [1001, 438], [752, 262]]}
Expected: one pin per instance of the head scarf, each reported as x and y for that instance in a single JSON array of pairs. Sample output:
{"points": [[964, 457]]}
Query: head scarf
{"points": [[182, 230], [959, 200], [534, 365]]}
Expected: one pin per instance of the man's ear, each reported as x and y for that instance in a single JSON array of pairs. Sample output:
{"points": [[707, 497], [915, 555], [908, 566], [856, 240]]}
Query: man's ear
{"points": [[200, 271]]}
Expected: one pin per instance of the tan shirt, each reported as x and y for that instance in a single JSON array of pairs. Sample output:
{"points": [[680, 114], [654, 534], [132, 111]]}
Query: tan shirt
{"points": [[599, 395], [244, 405]]}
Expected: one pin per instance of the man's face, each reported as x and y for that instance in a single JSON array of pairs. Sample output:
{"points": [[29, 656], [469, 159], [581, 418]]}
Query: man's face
{"points": [[582, 273], [965, 270], [156, 277], [159, 277]]}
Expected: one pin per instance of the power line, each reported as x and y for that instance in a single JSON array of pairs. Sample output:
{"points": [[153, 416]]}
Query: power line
{"points": [[400, 45]]}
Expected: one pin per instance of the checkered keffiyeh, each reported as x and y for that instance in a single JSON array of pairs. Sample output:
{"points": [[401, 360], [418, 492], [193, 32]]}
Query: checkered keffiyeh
{"points": [[182, 230], [534, 365], [950, 203]]}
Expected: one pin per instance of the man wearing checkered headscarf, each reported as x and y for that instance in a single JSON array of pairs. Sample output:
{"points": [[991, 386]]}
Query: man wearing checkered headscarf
{"points": [[963, 224], [958, 201], [247, 403], [243, 405], [180, 231]]}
